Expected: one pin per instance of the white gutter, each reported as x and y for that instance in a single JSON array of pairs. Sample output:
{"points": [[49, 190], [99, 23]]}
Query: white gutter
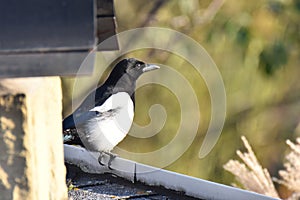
{"points": [[149, 175]]}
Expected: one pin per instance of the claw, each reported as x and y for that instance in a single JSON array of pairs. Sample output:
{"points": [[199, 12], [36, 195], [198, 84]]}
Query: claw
{"points": [[111, 157], [100, 159]]}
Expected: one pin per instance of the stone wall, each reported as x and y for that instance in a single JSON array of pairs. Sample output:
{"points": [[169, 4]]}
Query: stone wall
{"points": [[31, 149]]}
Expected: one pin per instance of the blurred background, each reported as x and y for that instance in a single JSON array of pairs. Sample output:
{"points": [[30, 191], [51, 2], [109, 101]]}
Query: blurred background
{"points": [[255, 45]]}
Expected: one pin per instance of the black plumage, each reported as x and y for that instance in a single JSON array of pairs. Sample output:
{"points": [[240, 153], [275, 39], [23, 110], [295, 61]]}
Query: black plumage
{"points": [[95, 121]]}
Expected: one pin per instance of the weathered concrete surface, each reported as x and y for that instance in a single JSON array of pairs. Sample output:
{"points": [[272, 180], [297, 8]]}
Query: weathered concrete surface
{"points": [[31, 150]]}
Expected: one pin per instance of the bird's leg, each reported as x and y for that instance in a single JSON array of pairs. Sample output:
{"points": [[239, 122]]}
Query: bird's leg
{"points": [[111, 157], [100, 158]]}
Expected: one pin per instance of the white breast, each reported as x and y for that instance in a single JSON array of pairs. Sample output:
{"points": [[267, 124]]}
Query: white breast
{"points": [[115, 118]]}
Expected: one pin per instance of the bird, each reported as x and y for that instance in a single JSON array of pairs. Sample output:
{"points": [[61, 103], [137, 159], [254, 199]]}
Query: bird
{"points": [[105, 116]]}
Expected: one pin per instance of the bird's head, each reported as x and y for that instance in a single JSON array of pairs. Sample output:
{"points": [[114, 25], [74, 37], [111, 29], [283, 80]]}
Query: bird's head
{"points": [[133, 67]]}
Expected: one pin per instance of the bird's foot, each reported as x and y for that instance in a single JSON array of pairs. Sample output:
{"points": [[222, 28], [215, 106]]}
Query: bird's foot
{"points": [[100, 158], [111, 157]]}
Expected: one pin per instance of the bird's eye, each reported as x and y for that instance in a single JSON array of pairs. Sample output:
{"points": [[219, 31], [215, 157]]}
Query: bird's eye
{"points": [[138, 65]]}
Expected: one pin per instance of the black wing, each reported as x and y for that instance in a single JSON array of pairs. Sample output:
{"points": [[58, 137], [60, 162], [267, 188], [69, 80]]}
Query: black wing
{"points": [[95, 98]]}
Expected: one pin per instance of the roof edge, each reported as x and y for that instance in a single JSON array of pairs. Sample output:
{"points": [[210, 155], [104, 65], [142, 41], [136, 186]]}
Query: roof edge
{"points": [[152, 176]]}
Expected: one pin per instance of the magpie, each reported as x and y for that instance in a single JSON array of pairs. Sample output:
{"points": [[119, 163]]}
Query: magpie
{"points": [[104, 118]]}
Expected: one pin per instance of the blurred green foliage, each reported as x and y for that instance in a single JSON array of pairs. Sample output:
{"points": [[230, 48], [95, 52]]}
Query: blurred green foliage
{"points": [[273, 57], [255, 45]]}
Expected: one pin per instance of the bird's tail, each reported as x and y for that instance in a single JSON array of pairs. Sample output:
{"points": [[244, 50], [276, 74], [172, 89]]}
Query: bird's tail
{"points": [[70, 136]]}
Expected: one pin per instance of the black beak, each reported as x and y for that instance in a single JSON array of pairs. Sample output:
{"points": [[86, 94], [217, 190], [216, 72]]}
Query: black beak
{"points": [[150, 67]]}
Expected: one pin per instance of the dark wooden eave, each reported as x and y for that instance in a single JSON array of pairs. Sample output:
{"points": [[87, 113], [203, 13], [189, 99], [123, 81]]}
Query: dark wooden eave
{"points": [[106, 25], [53, 38]]}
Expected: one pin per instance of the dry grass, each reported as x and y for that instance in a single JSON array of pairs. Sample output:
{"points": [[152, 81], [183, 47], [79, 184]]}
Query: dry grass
{"points": [[291, 174], [252, 176]]}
